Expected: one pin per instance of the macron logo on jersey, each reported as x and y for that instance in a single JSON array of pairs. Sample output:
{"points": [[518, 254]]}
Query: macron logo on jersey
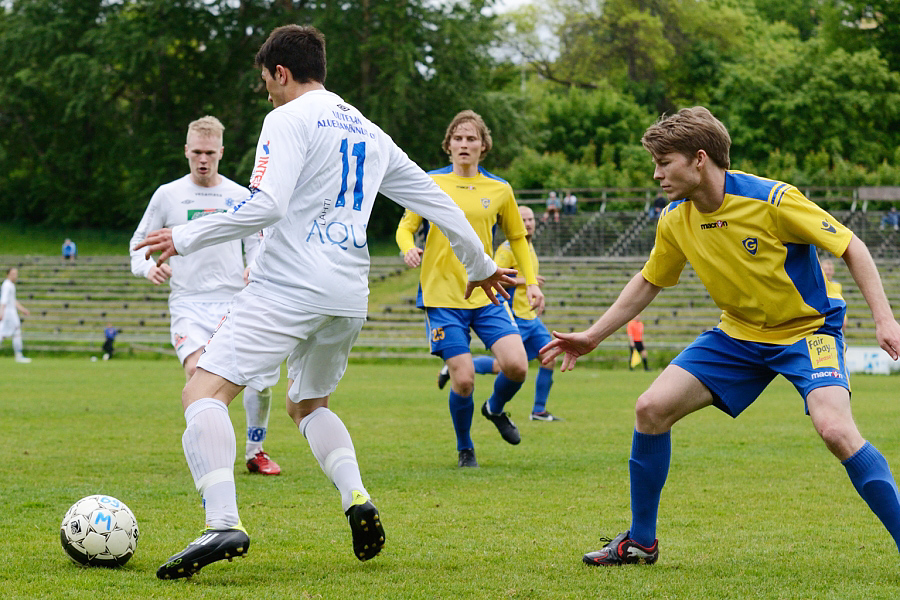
{"points": [[826, 226], [261, 165], [717, 225]]}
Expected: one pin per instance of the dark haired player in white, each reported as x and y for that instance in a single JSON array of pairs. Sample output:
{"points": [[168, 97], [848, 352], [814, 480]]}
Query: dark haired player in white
{"points": [[319, 166], [752, 241]]}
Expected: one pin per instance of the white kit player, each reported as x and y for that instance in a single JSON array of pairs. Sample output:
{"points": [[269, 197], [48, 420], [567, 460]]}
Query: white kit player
{"points": [[10, 323], [204, 283], [319, 166]]}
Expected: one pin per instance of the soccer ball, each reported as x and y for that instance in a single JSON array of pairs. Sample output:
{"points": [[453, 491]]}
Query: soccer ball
{"points": [[99, 531]]}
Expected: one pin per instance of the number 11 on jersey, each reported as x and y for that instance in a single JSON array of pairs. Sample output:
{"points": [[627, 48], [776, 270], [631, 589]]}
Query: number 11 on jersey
{"points": [[359, 152]]}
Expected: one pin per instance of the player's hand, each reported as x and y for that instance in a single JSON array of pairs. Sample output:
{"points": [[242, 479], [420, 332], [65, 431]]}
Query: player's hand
{"points": [[26, 312], [535, 298], [158, 241], [497, 281], [413, 258], [159, 274], [247, 276], [572, 345], [888, 337]]}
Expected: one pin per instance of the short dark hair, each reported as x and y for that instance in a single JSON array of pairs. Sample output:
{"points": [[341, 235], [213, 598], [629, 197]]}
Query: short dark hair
{"points": [[298, 48], [686, 132]]}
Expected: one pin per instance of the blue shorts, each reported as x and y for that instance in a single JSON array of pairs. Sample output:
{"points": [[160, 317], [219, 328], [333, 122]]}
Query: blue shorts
{"points": [[448, 328], [534, 335], [737, 371]]}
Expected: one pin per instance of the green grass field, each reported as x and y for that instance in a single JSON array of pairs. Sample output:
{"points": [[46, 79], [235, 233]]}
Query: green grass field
{"points": [[754, 508]]}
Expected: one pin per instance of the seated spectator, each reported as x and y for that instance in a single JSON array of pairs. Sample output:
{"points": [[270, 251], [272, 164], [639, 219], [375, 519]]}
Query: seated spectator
{"points": [[659, 204], [68, 252], [891, 218], [570, 203], [553, 208]]}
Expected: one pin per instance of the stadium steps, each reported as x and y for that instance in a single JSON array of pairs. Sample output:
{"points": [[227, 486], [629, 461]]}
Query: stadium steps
{"points": [[70, 306]]}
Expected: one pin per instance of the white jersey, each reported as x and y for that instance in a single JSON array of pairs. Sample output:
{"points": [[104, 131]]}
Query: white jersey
{"points": [[319, 165], [209, 275], [8, 300]]}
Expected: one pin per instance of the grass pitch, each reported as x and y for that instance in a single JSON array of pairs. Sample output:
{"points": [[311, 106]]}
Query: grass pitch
{"points": [[754, 508]]}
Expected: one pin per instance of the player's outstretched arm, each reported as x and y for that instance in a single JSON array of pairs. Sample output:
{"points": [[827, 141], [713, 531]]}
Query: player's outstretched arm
{"points": [[499, 281], [160, 241], [862, 267], [633, 298], [572, 345]]}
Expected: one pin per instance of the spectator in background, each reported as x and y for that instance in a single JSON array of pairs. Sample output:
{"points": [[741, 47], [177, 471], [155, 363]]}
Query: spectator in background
{"points": [[891, 218], [553, 207], [110, 333], [570, 203], [636, 352], [68, 252], [10, 323], [659, 204]]}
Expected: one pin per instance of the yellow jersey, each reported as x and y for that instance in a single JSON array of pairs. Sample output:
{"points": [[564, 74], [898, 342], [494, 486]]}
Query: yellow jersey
{"points": [[505, 258], [756, 256], [487, 201]]}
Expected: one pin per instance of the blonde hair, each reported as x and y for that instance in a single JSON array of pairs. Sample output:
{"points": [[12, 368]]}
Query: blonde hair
{"points": [[686, 132], [207, 126], [469, 116]]}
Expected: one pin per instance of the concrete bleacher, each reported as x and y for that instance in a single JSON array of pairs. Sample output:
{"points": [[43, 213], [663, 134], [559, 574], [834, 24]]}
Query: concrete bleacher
{"points": [[71, 305], [586, 260]]}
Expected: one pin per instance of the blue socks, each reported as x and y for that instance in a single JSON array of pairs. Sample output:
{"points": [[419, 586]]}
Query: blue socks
{"points": [[871, 476], [648, 468], [504, 390], [484, 365], [461, 410], [542, 389]]}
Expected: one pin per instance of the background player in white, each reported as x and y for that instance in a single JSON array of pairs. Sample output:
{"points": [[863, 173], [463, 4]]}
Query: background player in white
{"points": [[10, 323], [319, 166], [203, 284]]}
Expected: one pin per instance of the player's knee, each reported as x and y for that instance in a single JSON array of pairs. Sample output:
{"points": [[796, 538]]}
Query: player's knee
{"points": [[649, 414], [464, 386], [840, 437], [516, 371]]}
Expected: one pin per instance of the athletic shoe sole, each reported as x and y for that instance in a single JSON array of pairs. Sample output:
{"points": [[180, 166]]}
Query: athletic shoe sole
{"points": [[368, 534], [213, 545]]}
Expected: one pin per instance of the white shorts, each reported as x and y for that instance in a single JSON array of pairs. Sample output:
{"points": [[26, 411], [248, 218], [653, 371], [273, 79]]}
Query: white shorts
{"points": [[193, 323], [258, 334], [9, 325]]}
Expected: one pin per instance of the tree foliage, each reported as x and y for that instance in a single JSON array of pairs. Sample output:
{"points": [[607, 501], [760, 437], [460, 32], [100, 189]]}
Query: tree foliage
{"points": [[95, 95]]}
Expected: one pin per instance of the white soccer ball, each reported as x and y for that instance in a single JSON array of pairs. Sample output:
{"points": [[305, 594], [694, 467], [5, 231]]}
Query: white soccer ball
{"points": [[99, 531]]}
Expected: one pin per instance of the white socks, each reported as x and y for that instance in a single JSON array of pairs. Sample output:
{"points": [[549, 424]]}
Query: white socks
{"points": [[257, 406], [17, 343], [330, 443], [209, 447]]}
